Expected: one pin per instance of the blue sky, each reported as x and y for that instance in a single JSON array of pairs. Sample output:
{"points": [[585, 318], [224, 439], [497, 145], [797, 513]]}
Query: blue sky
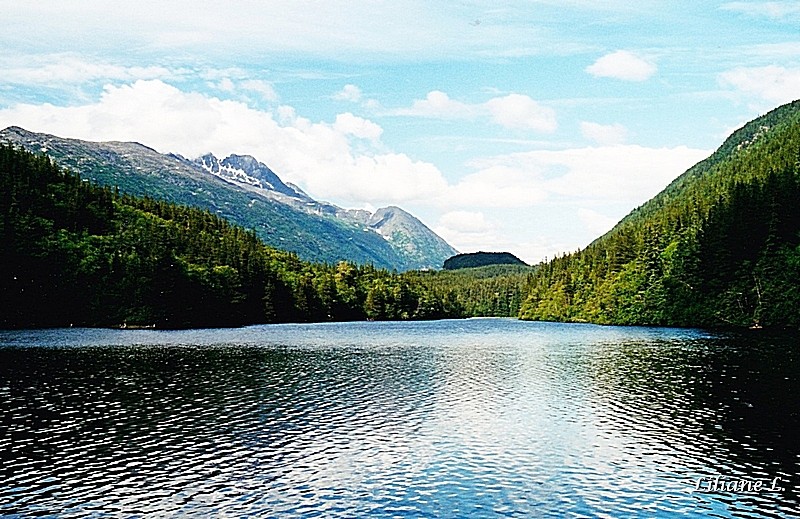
{"points": [[527, 126]]}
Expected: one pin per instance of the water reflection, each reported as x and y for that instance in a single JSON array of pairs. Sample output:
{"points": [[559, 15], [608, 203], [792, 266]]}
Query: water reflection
{"points": [[479, 417], [709, 407]]}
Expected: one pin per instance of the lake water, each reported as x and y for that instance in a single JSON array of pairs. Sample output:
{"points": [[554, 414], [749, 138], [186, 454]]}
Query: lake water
{"points": [[473, 418]]}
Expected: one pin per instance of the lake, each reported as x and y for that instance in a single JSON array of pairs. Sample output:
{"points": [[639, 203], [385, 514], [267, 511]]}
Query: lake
{"points": [[467, 418]]}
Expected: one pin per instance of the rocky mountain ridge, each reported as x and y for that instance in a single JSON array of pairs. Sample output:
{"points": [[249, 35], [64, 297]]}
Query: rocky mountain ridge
{"points": [[249, 193]]}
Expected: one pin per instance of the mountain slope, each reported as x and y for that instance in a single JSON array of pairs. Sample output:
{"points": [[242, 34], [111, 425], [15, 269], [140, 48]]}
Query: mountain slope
{"points": [[244, 191], [410, 236], [247, 170], [74, 253], [720, 246]]}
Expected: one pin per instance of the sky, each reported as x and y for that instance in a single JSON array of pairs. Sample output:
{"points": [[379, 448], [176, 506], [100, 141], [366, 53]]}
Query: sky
{"points": [[523, 126]]}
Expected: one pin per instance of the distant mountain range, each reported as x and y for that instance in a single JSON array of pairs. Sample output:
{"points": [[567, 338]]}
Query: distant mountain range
{"points": [[248, 193]]}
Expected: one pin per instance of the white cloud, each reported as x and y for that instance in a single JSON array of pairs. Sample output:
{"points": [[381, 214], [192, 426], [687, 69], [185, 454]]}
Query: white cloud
{"points": [[56, 69], [469, 231], [496, 185], [286, 114], [226, 85], [624, 173], [67, 70], [774, 10], [595, 222], [244, 87], [772, 83], [466, 222], [382, 179], [772, 51], [332, 29], [260, 86], [472, 241], [348, 93], [320, 156], [536, 250], [552, 201], [438, 104], [622, 65], [316, 156], [350, 124], [510, 111], [520, 111], [472, 231], [604, 134]]}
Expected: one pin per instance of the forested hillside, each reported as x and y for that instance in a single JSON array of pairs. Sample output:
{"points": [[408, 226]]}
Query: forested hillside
{"points": [[490, 291], [717, 247], [247, 193], [720, 246], [77, 254]]}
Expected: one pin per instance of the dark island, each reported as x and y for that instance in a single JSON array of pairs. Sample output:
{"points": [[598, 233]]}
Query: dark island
{"points": [[481, 259]]}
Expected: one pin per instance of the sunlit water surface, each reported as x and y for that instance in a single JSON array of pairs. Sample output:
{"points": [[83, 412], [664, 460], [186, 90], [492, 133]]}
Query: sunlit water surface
{"points": [[477, 418]]}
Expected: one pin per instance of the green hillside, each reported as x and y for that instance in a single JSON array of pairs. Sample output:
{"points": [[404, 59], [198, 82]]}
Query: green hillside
{"points": [[489, 291], [314, 236], [78, 254], [717, 247]]}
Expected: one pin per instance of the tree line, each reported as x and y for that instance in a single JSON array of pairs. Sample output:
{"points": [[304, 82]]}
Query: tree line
{"points": [[78, 254], [488, 291], [719, 247]]}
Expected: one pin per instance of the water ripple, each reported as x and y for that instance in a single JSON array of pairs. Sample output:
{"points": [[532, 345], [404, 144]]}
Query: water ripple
{"points": [[487, 418]]}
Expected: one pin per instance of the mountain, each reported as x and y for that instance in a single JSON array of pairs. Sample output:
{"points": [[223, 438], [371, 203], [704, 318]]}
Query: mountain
{"points": [[74, 253], [719, 246], [481, 259], [248, 193], [245, 169], [410, 238], [406, 234]]}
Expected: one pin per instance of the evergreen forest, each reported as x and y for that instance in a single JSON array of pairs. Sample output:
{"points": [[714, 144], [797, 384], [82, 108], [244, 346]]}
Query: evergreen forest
{"points": [[75, 254], [488, 291], [719, 247]]}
